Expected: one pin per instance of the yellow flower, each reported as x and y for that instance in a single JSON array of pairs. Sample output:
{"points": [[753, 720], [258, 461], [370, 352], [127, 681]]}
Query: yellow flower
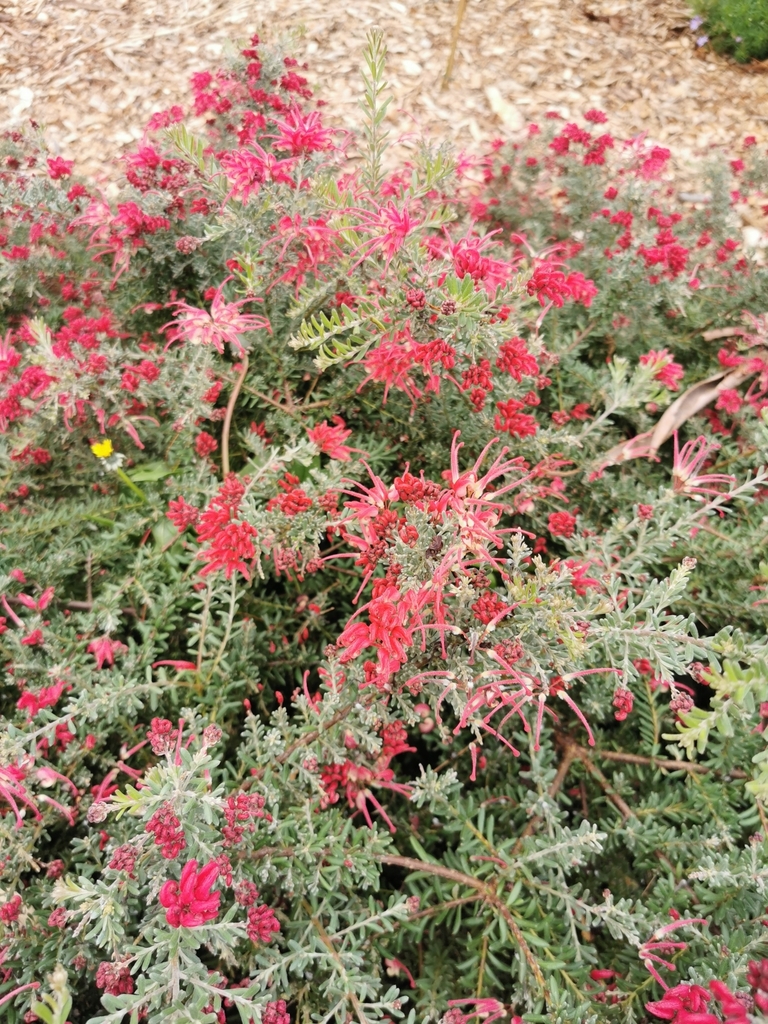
{"points": [[102, 449]]}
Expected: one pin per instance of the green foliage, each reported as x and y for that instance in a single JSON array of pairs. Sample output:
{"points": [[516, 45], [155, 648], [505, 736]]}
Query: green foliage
{"points": [[457, 683], [737, 27]]}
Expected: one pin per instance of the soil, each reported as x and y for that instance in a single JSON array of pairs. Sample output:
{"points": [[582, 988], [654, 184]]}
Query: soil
{"points": [[94, 72]]}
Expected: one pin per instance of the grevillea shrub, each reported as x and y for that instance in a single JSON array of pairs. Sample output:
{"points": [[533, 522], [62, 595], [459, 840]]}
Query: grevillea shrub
{"points": [[383, 595]]}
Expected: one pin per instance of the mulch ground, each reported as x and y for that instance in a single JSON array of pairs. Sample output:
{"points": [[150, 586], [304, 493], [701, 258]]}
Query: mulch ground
{"points": [[94, 72]]}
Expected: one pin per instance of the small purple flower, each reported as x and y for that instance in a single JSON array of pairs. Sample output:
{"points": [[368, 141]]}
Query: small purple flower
{"points": [[696, 22], [702, 40], [738, 39]]}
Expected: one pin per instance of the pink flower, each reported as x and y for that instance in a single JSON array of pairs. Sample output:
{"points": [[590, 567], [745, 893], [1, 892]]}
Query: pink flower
{"points": [[729, 401], [666, 371], [396, 967], [224, 323], [34, 701], [653, 164], [329, 439], [189, 902], [262, 924], [389, 227], [37, 605], [10, 910], [686, 478], [59, 168], [248, 169], [275, 1013], [302, 133], [391, 363], [488, 1009], [104, 650], [114, 978]]}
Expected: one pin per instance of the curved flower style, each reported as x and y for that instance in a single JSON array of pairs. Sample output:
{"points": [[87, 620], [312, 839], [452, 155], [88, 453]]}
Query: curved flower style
{"points": [[189, 902]]}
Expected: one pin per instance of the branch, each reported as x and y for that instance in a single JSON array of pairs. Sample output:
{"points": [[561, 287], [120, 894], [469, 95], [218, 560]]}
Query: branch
{"points": [[328, 943], [568, 758], [454, 42], [487, 894], [624, 809], [653, 762], [228, 417]]}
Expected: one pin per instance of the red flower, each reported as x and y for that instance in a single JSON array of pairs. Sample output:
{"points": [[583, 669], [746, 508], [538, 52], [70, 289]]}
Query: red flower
{"points": [[205, 444], [59, 168], [167, 831], [182, 514], [516, 423], [489, 607], [515, 358], [189, 902], [684, 1004], [230, 550], [561, 524], [623, 701]]}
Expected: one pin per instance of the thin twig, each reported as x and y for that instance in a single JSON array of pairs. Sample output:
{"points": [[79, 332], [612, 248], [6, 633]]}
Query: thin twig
{"points": [[454, 42], [563, 769], [622, 806], [447, 905], [228, 417], [652, 762], [488, 895], [328, 943]]}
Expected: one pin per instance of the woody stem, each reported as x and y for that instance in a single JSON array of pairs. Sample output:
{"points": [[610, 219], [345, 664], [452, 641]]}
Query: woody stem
{"points": [[228, 417], [487, 894]]}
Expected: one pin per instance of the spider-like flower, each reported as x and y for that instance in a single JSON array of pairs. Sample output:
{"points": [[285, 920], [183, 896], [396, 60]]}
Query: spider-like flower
{"points": [[302, 133], [688, 460], [224, 323]]}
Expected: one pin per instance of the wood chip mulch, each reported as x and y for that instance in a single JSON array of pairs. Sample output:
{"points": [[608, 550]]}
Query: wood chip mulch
{"points": [[94, 72]]}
